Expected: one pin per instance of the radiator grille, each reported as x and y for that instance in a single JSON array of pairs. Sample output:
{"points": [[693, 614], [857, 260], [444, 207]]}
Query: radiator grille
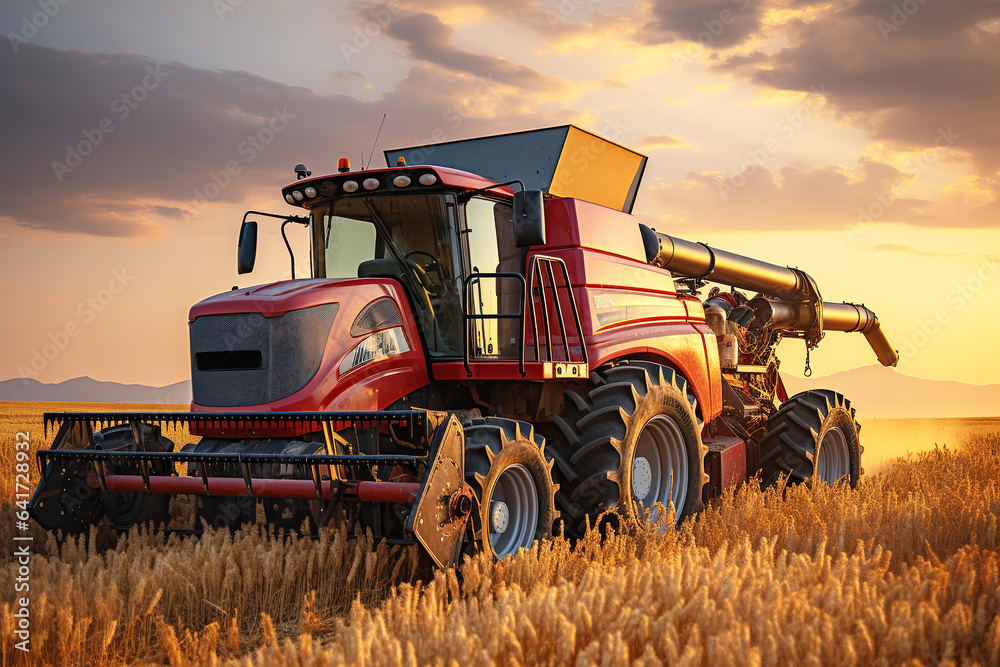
{"points": [[290, 347]]}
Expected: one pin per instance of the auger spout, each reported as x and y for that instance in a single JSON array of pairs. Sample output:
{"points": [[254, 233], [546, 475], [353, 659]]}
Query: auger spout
{"points": [[794, 303]]}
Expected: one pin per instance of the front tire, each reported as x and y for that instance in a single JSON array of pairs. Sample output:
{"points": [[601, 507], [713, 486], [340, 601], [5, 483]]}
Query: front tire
{"points": [[630, 443], [124, 510], [506, 467], [230, 512], [813, 436]]}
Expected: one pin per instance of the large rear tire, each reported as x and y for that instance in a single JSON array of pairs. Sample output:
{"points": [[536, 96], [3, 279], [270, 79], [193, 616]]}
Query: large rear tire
{"points": [[506, 467], [813, 436], [632, 441]]}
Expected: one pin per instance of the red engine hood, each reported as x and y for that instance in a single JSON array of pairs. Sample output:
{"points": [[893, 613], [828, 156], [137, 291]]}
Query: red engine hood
{"points": [[276, 299], [372, 386]]}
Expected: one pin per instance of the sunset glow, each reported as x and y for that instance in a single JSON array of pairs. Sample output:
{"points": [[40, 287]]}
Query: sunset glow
{"points": [[857, 140]]}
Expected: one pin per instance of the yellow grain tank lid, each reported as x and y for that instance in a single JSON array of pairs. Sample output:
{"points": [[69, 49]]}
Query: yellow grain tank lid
{"points": [[563, 161]]}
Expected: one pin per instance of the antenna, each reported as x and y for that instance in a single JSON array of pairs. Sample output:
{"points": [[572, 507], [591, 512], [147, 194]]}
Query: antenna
{"points": [[370, 155]]}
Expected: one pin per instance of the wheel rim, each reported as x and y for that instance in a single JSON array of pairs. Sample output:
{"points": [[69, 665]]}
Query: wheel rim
{"points": [[661, 455], [834, 460], [512, 514]]}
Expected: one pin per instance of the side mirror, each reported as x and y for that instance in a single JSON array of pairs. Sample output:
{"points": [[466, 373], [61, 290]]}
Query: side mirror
{"points": [[246, 250], [529, 218]]}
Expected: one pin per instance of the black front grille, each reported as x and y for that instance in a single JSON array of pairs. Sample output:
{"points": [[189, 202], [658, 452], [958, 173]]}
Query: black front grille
{"points": [[243, 359]]}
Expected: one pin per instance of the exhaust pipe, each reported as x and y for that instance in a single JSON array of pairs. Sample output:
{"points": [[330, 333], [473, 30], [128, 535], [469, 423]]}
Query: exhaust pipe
{"points": [[798, 306]]}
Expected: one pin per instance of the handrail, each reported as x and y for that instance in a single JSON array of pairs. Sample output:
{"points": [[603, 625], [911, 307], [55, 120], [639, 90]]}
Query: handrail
{"points": [[545, 291], [534, 271], [470, 317]]}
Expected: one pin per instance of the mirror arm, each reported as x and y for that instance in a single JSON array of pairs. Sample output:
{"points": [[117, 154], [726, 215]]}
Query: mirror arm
{"points": [[469, 194], [291, 255], [302, 220]]}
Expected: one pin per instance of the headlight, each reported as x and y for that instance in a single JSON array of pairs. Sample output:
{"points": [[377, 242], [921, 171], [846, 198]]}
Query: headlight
{"points": [[379, 314], [377, 346]]}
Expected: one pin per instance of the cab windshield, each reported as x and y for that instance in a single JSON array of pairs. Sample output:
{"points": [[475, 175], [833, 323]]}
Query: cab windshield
{"points": [[408, 237]]}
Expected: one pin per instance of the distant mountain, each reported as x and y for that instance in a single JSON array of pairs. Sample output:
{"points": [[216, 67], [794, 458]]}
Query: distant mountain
{"points": [[874, 391], [883, 392], [86, 390]]}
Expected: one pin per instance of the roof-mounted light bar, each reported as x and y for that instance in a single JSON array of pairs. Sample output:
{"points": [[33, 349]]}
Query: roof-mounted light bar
{"points": [[333, 185]]}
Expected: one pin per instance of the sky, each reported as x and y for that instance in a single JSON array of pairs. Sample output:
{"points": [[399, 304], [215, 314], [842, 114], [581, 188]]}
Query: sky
{"points": [[855, 139]]}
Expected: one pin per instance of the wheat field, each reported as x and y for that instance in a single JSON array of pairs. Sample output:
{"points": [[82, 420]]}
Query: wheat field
{"points": [[903, 570]]}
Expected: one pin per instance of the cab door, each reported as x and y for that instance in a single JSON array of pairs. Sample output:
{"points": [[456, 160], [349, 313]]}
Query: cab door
{"points": [[491, 297]]}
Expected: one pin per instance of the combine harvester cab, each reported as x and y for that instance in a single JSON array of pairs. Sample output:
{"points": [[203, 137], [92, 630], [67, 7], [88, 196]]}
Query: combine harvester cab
{"points": [[489, 348]]}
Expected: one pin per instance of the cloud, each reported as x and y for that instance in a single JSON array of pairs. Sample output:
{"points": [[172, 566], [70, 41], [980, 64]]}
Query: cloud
{"points": [[553, 22], [717, 24], [429, 39], [171, 212], [200, 137], [349, 75], [807, 197], [900, 74], [656, 141], [911, 250]]}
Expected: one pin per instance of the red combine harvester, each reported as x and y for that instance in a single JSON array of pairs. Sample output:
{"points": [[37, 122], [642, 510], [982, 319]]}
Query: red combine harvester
{"points": [[474, 361]]}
